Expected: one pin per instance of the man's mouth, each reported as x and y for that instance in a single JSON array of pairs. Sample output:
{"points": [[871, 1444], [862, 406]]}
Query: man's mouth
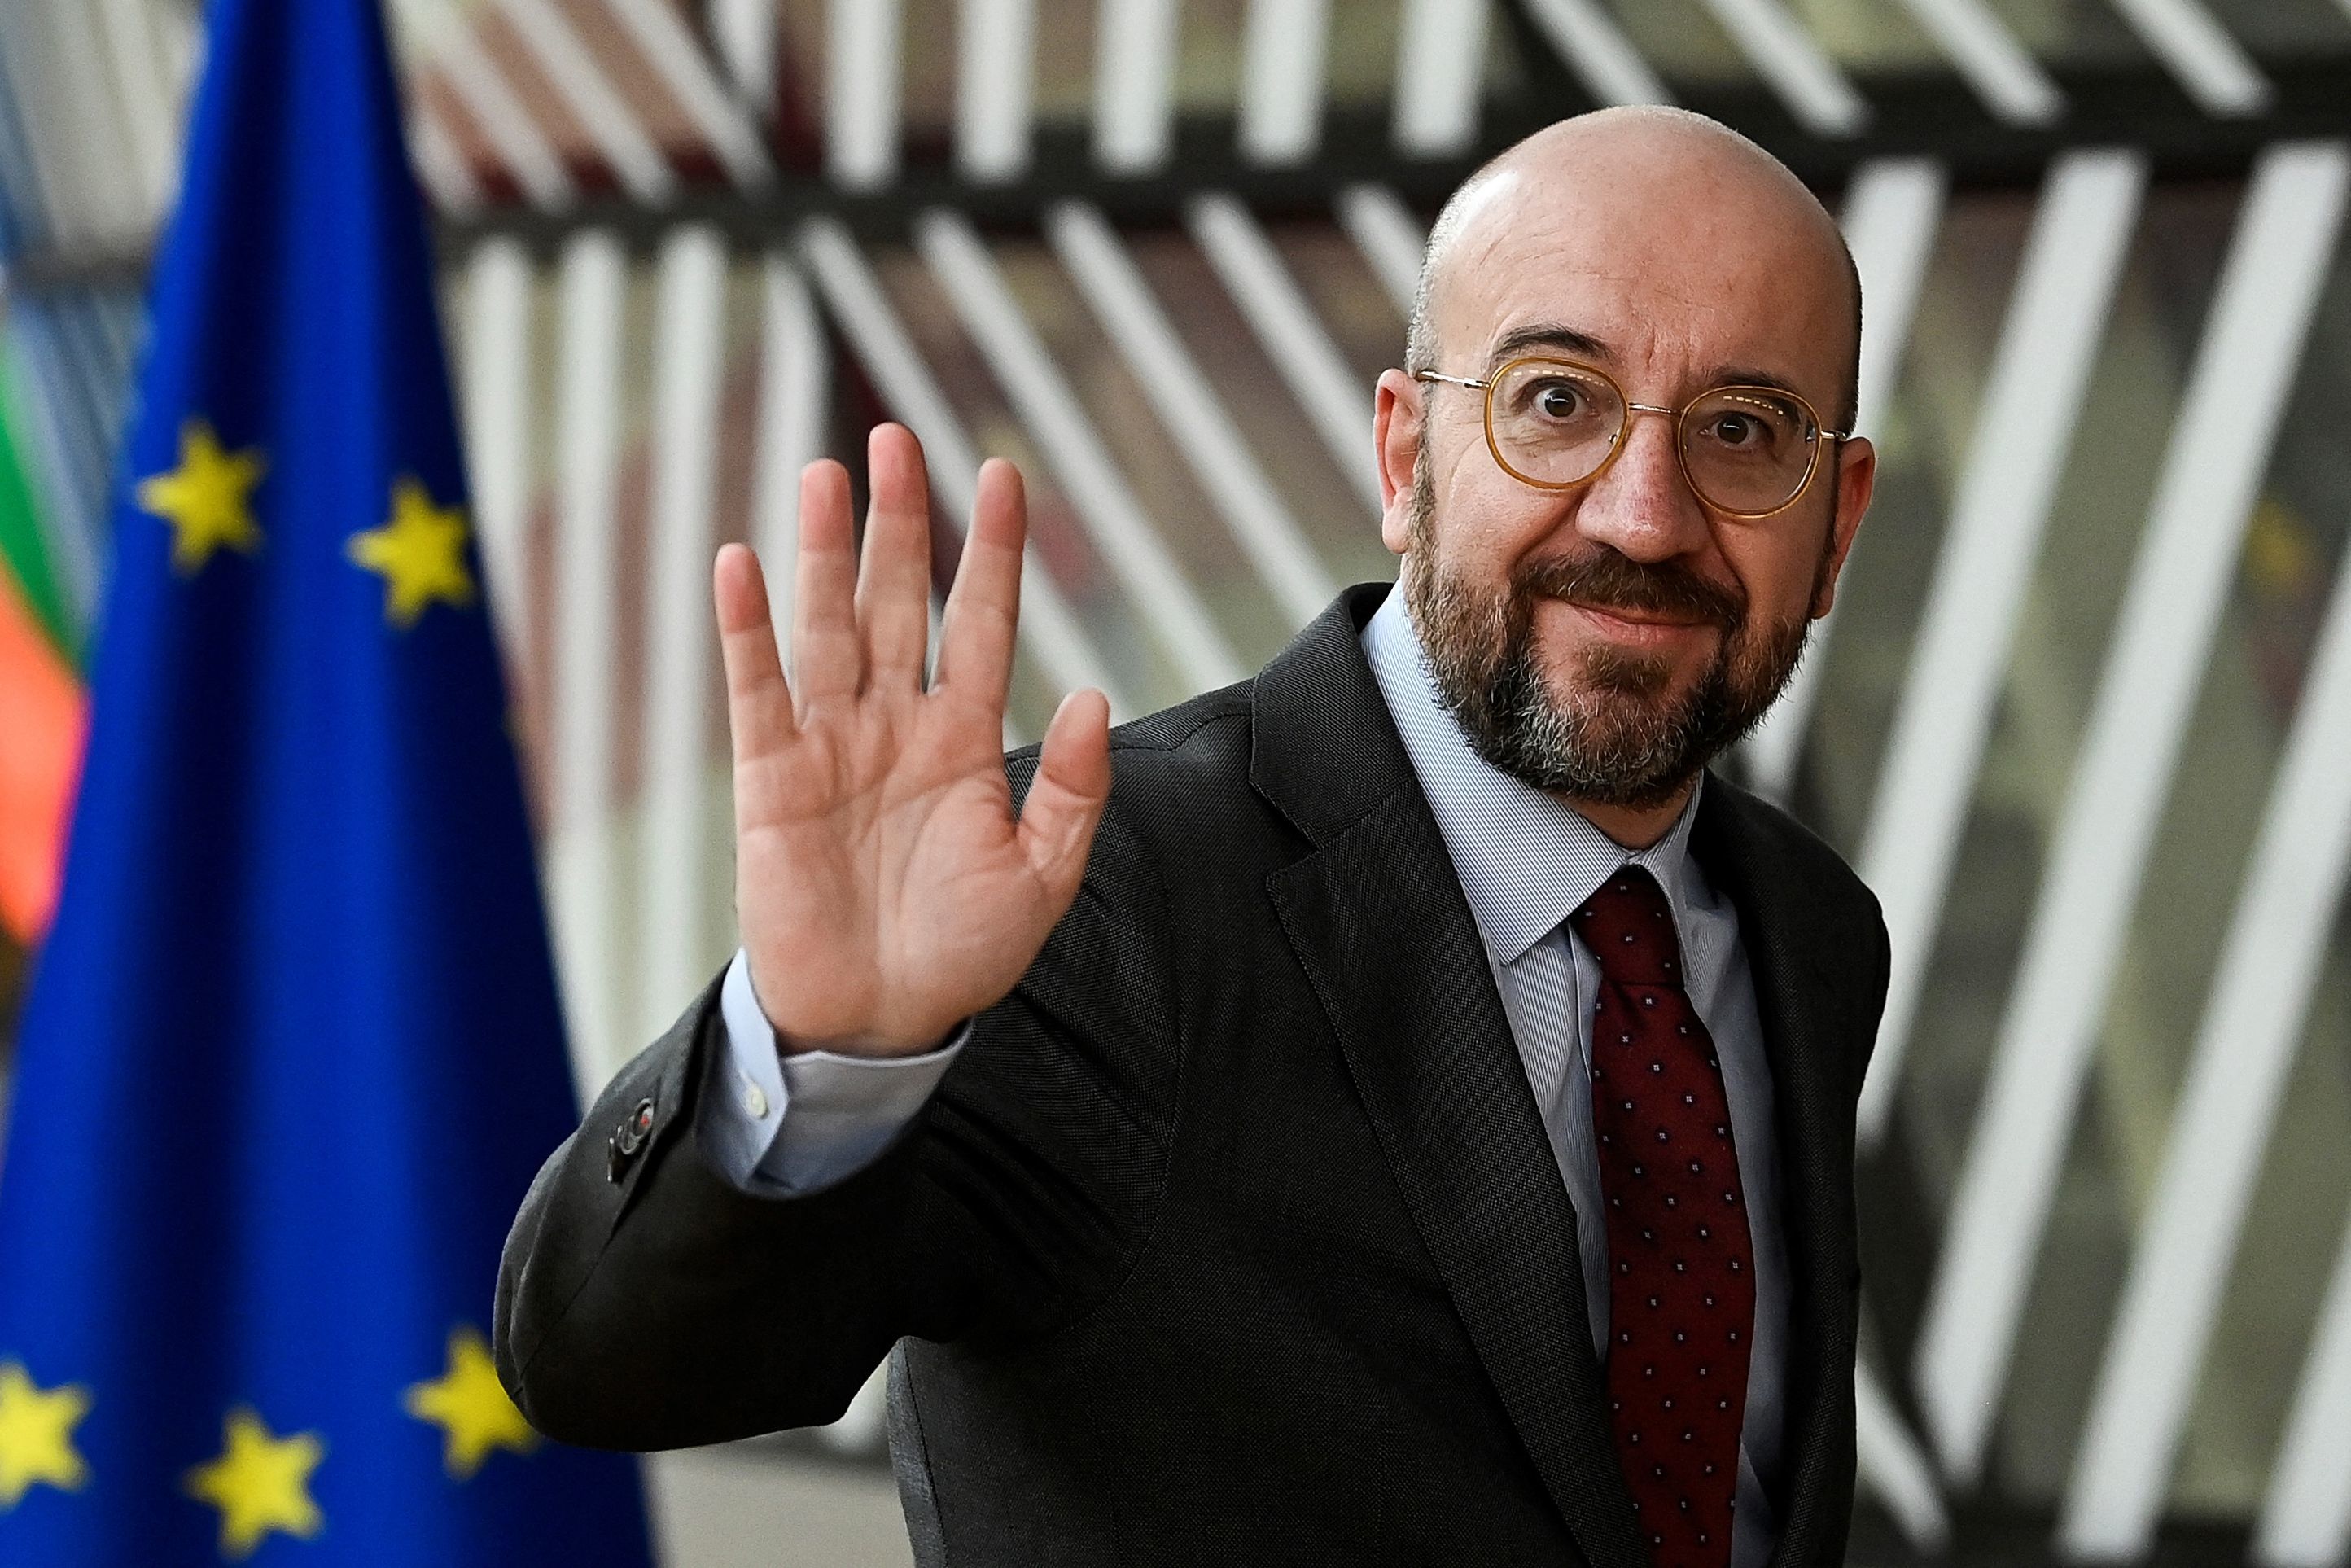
{"points": [[1641, 626]]}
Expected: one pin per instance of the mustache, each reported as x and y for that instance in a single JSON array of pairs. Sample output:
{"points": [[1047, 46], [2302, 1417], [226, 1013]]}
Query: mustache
{"points": [[1608, 580]]}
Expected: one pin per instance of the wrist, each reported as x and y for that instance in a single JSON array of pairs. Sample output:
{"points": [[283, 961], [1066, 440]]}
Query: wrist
{"points": [[917, 1038]]}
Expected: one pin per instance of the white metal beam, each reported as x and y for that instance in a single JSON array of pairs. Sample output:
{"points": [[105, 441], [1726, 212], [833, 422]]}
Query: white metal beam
{"points": [[1334, 401], [745, 34], [1792, 64], [1282, 53], [180, 41], [996, 50], [1134, 84], [848, 285], [679, 644], [1114, 516], [2008, 482], [1390, 238], [1611, 69], [1440, 76], [2254, 1020], [1050, 629], [24, 160], [1186, 402], [661, 35], [150, 108], [483, 91], [497, 321], [609, 119], [862, 76], [1892, 210], [441, 168], [2000, 69], [795, 396], [2200, 55], [60, 77], [2212, 467], [1892, 1465], [2306, 1518], [582, 871]]}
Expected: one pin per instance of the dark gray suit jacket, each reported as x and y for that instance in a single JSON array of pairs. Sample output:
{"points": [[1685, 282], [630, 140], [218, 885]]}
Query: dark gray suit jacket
{"points": [[1233, 1235]]}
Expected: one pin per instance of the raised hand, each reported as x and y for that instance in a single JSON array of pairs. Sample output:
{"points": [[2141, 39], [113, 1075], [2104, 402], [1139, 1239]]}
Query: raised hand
{"points": [[883, 888]]}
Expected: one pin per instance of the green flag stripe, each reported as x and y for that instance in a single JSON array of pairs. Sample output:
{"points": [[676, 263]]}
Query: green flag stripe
{"points": [[24, 547]]}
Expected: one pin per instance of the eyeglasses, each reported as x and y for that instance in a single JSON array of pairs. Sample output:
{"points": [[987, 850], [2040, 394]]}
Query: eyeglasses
{"points": [[1747, 452]]}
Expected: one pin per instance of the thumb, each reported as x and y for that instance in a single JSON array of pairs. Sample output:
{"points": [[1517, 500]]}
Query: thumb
{"points": [[1072, 787]]}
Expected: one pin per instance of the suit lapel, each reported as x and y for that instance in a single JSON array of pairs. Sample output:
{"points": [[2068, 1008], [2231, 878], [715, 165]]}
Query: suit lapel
{"points": [[1789, 954], [1379, 924]]}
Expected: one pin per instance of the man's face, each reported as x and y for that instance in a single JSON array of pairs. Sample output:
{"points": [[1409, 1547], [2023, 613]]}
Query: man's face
{"points": [[1604, 642], [1605, 713]]}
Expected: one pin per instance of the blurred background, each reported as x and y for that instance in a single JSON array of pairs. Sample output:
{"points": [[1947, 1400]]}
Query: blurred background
{"points": [[2082, 717]]}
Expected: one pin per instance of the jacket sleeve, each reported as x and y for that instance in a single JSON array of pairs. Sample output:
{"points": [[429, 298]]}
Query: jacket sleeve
{"points": [[1879, 977], [647, 1302]]}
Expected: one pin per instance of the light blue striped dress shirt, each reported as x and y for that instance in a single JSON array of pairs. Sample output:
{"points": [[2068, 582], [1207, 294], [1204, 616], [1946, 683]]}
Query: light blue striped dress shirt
{"points": [[1526, 860]]}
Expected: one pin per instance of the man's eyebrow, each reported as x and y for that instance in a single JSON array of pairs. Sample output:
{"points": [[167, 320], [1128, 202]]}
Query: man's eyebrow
{"points": [[1747, 376], [1568, 340], [1549, 335]]}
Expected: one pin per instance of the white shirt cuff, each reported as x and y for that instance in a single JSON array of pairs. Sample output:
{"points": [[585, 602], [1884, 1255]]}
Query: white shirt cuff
{"points": [[797, 1124]]}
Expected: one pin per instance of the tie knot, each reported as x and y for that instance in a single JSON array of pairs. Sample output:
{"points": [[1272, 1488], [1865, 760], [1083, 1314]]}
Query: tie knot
{"points": [[1629, 927]]}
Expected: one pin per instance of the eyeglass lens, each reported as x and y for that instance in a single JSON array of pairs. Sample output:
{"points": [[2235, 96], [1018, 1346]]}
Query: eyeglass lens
{"points": [[1745, 449]]}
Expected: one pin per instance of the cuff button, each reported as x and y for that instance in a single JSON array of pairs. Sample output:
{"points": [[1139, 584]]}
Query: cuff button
{"points": [[628, 1138]]}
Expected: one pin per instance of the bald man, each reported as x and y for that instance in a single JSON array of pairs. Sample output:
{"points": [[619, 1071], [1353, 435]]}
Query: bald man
{"points": [[1398, 1109]]}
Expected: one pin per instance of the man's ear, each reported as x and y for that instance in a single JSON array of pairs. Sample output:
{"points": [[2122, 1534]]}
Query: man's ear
{"points": [[1397, 428], [1857, 480]]}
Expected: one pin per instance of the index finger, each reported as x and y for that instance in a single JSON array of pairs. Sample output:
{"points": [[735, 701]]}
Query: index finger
{"points": [[758, 695], [984, 606]]}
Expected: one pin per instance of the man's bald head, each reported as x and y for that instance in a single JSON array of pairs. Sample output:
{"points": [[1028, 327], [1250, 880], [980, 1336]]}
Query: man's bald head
{"points": [[1655, 173]]}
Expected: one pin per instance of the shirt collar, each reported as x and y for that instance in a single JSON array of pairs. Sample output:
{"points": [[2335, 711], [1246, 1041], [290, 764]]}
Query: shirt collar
{"points": [[1527, 860]]}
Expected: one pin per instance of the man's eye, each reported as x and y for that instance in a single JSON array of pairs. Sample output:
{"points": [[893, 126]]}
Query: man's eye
{"points": [[1558, 401], [1749, 433]]}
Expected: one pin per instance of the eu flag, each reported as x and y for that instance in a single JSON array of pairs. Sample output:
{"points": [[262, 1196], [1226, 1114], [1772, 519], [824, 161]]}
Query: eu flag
{"points": [[293, 1052]]}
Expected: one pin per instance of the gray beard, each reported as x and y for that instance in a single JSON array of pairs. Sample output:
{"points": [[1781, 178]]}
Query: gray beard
{"points": [[1615, 738]]}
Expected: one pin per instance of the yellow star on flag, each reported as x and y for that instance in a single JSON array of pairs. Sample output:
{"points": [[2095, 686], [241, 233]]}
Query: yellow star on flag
{"points": [[421, 554], [207, 499], [261, 1482], [36, 1429], [469, 1405]]}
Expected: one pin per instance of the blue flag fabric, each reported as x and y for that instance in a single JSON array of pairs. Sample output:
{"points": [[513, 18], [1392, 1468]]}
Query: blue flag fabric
{"points": [[293, 1052]]}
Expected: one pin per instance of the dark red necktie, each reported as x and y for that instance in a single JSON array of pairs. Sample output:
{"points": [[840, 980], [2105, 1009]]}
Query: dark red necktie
{"points": [[1681, 1296]]}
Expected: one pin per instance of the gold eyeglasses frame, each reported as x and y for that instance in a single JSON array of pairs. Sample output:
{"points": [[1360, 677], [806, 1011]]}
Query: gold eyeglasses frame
{"points": [[1820, 433]]}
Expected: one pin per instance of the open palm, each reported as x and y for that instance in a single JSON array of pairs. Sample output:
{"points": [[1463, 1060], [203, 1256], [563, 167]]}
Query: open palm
{"points": [[883, 887]]}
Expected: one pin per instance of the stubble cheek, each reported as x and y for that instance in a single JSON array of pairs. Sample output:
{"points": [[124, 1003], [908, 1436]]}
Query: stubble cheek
{"points": [[1561, 648]]}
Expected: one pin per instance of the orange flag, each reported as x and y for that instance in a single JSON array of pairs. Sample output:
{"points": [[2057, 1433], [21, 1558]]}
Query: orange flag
{"points": [[40, 757]]}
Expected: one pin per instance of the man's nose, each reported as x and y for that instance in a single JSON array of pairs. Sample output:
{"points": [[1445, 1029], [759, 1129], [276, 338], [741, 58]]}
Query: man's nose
{"points": [[1641, 506]]}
